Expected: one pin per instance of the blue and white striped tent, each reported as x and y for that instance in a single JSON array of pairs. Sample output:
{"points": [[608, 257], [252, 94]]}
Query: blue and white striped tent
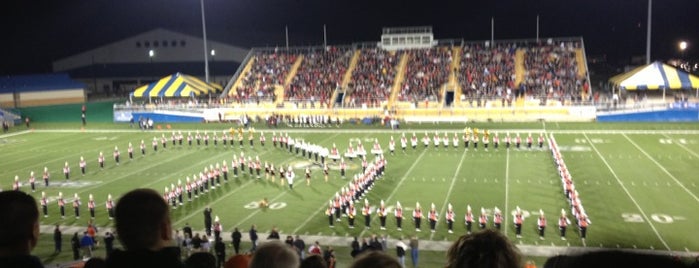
{"points": [[655, 76]]}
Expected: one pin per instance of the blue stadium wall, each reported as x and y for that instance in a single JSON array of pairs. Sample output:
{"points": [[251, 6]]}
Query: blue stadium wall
{"points": [[670, 115], [157, 117]]}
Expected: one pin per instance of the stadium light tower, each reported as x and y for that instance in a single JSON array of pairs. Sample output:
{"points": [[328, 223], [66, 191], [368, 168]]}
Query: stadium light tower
{"points": [[206, 50], [683, 46]]}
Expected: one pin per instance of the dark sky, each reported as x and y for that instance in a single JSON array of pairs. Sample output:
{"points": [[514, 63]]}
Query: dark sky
{"points": [[37, 32]]}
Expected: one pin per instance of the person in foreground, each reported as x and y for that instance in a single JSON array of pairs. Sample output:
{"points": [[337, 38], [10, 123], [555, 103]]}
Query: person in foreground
{"points": [[375, 259], [19, 230], [144, 229], [274, 254], [487, 248]]}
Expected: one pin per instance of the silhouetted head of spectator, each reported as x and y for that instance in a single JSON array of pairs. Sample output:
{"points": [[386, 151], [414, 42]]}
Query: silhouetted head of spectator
{"points": [[375, 259], [19, 224], [95, 263], [613, 258], [486, 248], [201, 260], [143, 220], [238, 261], [274, 254], [314, 261]]}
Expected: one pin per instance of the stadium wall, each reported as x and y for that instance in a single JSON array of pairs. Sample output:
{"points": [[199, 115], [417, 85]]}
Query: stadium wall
{"points": [[670, 115], [96, 112], [7, 100], [51, 97]]}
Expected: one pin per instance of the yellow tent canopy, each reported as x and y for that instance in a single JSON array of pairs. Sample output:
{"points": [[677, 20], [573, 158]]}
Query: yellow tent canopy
{"points": [[654, 76], [177, 85]]}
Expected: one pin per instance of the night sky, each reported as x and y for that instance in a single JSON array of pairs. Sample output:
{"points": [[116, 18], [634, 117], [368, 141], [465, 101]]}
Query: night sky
{"points": [[35, 33]]}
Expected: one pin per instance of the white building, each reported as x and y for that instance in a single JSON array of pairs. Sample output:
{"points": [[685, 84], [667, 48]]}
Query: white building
{"points": [[118, 68]]}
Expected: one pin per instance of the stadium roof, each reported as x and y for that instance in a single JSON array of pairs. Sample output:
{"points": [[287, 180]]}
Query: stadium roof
{"points": [[39, 82]]}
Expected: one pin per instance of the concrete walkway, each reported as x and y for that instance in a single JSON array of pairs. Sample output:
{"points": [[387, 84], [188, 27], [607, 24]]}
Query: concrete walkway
{"points": [[431, 245]]}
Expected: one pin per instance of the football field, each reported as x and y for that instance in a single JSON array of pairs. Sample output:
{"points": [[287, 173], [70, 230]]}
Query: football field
{"points": [[636, 185]]}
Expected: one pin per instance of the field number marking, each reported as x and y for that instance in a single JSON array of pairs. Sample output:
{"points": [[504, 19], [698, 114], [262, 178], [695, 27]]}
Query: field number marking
{"points": [[659, 218]]}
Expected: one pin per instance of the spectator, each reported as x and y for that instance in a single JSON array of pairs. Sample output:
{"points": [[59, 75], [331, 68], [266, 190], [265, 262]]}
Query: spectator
{"points": [[274, 254], [19, 230], [355, 248], [375, 259], [75, 246], [205, 244], [253, 238], [314, 261], [57, 239], [95, 262], [315, 249], [187, 230], [196, 242], [86, 244], [109, 243], [414, 250], [300, 246], [142, 221], [614, 258], [329, 256], [220, 249], [238, 261], [235, 239], [487, 248], [201, 260], [400, 252], [289, 241], [273, 234]]}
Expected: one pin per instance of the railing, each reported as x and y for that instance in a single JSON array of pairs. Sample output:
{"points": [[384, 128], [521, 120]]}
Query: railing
{"points": [[237, 74]]}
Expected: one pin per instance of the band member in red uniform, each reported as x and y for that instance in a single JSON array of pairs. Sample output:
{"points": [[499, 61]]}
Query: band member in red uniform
{"points": [[541, 224], [308, 176], [351, 213], [518, 220], [91, 206], [529, 141], [76, 206], [450, 218], [432, 214], [496, 141], [130, 150], [417, 215], [100, 160], [83, 165], [366, 212], [61, 205], [116, 155], [398, 213], [32, 181], [262, 139], [46, 176], [16, 184], [143, 147], [155, 144], [44, 205], [110, 207], [563, 224], [381, 212], [497, 218], [224, 170], [330, 211], [468, 219], [66, 171], [541, 140], [482, 219]]}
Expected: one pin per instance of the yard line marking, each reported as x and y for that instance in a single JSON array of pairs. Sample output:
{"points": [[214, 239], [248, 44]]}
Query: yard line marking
{"points": [[663, 168], [395, 190], [451, 187], [643, 213], [507, 187], [683, 147]]}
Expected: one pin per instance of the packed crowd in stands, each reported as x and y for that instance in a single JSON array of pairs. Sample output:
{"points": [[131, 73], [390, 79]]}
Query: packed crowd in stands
{"points": [[487, 72], [320, 73], [268, 69], [372, 78], [552, 72], [426, 72]]}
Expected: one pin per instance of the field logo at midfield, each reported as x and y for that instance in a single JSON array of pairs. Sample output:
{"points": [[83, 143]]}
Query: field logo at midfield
{"points": [[75, 184], [4, 142], [273, 205], [105, 138], [303, 164]]}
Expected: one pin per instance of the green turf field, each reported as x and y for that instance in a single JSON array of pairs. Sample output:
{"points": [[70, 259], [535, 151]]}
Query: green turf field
{"points": [[635, 180]]}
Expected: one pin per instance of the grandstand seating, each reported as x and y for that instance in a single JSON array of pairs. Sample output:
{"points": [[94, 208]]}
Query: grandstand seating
{"points": [[480, 75], [319, 74]]}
